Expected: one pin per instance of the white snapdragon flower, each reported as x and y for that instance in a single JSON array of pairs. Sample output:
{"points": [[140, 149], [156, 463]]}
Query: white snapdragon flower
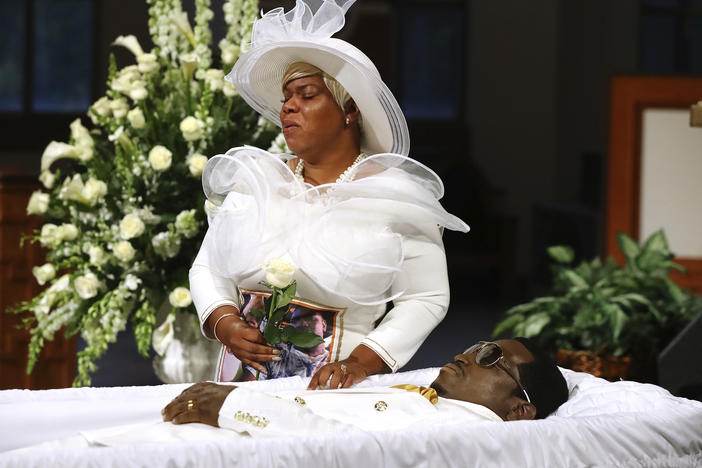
{"points": [[131, 282], [123, 251], [215, 78], [138, 90], [55, 151], [47, 178], [147, 63], [44, 273], [119, 108], [192, 128], [101, 107], [87, 193], [162, 336], [97, 255], [160, 158], [279, 273], [136, 118], [87, 285], [166, 245], [38, 203], [180, 297], [196, 164], [279, 145], [131, 226], [186, 224], [121, 137], [131, 43], [122, 83], [67, 232], [49, 236], [229, 90]]}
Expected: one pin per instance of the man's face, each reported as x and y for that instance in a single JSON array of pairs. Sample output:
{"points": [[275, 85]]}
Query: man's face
{"points": [[310, 116], [491, 386], [314, 323]]}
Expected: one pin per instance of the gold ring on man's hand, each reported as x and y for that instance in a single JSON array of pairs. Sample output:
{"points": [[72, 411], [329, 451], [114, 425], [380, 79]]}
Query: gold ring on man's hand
{"points": [[343, 368], [190, 405]]}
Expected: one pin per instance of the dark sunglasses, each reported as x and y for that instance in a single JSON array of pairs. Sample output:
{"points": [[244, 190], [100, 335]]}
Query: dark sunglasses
{"points": [[490, 354]]}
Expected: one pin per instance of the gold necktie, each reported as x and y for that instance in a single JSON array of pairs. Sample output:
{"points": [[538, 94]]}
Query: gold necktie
{"points": [[428, 393]]}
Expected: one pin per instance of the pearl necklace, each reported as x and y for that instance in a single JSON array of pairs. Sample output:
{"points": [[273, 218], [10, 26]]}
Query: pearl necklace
{"points": [[345, 176]]}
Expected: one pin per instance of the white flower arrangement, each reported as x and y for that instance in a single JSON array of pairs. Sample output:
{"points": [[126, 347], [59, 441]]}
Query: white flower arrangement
{"points": [[123, 206]]}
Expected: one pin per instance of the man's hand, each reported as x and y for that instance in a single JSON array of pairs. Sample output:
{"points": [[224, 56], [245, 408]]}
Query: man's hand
{"points": [[244, 341], [198, 403], [342, 374]]}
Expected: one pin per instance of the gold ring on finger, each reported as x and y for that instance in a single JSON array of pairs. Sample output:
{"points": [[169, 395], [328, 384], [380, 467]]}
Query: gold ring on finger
{"points": [[190, 405]]}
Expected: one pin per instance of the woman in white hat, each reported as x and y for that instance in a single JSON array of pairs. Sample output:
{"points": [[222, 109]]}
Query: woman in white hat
{"points": [[359, 219]]}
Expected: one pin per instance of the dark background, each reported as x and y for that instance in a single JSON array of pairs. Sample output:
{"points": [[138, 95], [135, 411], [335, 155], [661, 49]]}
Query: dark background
{"points": [[507, 100]]}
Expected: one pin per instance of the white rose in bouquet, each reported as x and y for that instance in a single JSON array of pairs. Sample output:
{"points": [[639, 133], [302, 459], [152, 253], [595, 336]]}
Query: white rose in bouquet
{"points": [[49, 236], [93, 190], [38, 203], [192, 128], [160, 158], [279, 273], [131, 226], [196, 164], [138, 90], [136, 118], [44, 273], [87, 285], [97, 255], [180, 297], [123, 250], [67, 232]]}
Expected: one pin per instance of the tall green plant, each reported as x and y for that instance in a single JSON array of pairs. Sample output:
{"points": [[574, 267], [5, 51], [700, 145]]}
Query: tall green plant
{"points": [[123, 205], [633, 309]]}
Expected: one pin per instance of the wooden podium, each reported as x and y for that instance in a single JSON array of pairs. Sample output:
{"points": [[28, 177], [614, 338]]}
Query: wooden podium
{"points": [[56, 367]]}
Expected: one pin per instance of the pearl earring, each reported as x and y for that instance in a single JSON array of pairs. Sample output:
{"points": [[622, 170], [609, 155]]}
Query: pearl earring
{"points": [[348, 121]]}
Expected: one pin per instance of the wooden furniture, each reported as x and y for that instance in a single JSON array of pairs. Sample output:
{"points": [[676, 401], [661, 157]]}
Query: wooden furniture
{"points": [[630, 97], [56, 366]]}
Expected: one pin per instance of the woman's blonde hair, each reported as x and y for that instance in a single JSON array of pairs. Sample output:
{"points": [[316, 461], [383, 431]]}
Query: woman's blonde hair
{"points": [[303, 69]]}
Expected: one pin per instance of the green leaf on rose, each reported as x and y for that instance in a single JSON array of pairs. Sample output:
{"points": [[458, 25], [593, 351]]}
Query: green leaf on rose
{"points": [[305, 339], [272, 334]]}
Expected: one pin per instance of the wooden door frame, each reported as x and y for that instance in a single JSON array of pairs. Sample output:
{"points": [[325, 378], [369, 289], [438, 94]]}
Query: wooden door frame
{"points": [[630, 96]]}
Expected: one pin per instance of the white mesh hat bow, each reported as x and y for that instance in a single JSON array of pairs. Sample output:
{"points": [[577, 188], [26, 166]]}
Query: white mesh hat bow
{"points": [[303, 34]]}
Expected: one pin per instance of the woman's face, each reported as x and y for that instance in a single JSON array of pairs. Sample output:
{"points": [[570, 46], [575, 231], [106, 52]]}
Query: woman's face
{"points": [[311, 119]]}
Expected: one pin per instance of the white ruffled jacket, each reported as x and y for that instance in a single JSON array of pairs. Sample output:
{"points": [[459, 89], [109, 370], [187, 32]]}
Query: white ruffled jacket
{"points": [[357, 245]]}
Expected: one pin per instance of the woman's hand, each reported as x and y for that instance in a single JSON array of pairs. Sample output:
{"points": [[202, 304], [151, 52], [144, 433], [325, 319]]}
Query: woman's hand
{"points": [[244, 341], [342, 374], [198, 403]]}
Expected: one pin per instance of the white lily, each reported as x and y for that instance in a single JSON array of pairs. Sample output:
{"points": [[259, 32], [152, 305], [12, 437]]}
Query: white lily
{"points": [[131, 43], [57, 150], [162, 337], [180, 19]]}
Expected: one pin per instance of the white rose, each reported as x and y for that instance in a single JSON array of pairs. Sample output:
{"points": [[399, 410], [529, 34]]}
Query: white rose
{"points": [[229, 90], [123, 250], [47, 178], [215, 78], [87, 285], [119, 108], [57, 150], [93, 190], [192, 128], [180, 297], [196, 163], [38, 203], [97, 255], [49, 235], [131, 226], [67, 232], [44, 273], [163, 335], [147, 63], [136, 118], [160, 158], [131, 43], [279, 273]]}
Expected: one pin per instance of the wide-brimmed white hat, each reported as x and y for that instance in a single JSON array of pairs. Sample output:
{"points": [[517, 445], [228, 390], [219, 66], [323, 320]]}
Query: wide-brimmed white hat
{"points": [[303, 34]]}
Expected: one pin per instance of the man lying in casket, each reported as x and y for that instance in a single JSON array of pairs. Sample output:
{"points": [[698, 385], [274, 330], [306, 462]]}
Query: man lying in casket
{"points": [[506, 380]]}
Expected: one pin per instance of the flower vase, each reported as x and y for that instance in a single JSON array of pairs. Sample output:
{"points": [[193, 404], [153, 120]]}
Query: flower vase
{"points": [[190, 357]]}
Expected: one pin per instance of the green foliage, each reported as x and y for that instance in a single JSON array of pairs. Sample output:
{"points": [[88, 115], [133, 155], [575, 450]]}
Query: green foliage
{"points": [[633, 309]]}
